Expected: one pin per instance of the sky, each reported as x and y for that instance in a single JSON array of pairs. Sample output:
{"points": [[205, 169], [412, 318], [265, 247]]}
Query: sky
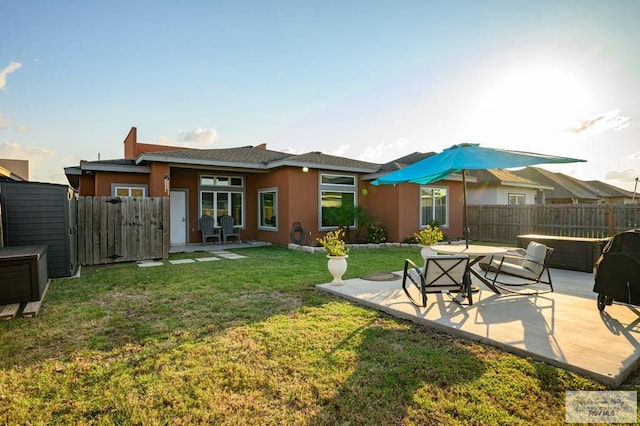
{"points": [[370, 80]]}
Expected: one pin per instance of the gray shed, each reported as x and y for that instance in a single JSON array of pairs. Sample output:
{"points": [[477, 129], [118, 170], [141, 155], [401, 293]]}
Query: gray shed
{"points": [[35, 213]]}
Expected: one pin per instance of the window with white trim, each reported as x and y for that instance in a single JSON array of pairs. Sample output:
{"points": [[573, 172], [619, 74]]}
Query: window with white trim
{"points": [[268, 209], [337, 199], [434, 206], [516, 199], [222, 195], [129, 190]]}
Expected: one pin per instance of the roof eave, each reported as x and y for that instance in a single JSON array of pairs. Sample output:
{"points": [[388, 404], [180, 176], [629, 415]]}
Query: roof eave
{"points": [[526, 185], [93, 167], [199, 162]]}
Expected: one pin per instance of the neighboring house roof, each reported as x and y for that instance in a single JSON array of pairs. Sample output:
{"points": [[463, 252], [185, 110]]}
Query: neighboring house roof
{"points": [[408, 160], [14, 169], [505, 178], [405, 161], [564, 187], [607, 191]]}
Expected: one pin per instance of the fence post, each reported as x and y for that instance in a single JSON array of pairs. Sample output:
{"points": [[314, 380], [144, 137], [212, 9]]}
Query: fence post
{"points": [[611, 220]]}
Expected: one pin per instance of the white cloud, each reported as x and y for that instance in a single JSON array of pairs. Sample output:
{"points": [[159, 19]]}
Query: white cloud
{"points": [[383, 153], [291, 150], [624, 176], [635, 156], [611, 120], [341, 150], [12, 67], [4, 121], [191, 139]]}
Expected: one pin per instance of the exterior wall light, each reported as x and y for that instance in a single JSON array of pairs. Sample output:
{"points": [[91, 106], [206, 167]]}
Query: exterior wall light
{"points": [[166, 184]]}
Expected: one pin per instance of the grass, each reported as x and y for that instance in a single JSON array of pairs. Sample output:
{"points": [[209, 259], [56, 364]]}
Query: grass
{"points": [[251, 341]]}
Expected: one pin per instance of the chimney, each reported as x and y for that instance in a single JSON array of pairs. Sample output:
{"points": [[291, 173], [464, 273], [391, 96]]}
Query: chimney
{"points": [[130, 142]]}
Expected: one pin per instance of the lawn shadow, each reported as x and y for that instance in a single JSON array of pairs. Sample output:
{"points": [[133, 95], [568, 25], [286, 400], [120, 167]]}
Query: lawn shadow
{"points": [[112, 307], [393, 371]]}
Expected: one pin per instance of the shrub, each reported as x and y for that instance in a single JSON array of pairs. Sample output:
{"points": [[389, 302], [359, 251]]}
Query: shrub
{"points": [[429, 236], [333, 243], [376, 233]]}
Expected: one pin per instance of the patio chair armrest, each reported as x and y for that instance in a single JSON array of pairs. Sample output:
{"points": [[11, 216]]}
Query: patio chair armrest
{"points": [[416, 278], [413, 272]]}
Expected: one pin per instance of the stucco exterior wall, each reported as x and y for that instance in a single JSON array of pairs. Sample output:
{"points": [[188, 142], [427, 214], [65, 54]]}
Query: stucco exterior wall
{"points": [[104, 181], [397, 207], [297, 202]]}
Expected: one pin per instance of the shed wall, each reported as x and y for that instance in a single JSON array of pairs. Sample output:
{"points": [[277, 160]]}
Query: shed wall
{"points": [[39, 213]]}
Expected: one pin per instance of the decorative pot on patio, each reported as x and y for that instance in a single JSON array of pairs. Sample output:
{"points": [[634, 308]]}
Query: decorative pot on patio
{"points": [[337, 266]]}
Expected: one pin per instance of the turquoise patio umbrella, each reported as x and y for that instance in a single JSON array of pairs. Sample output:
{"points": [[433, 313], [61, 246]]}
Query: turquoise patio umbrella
{"points": [[462, 157]]}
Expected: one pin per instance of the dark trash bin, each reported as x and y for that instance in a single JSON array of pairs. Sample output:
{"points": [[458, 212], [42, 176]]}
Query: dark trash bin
{"points": [[617, 273]]}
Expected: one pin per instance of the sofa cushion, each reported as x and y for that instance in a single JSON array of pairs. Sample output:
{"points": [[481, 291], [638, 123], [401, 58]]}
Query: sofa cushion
{"points": [[513, 269], [534, 258]]}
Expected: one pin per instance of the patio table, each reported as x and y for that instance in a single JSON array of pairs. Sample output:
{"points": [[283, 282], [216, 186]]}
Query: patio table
{"points": [[477, 253]]}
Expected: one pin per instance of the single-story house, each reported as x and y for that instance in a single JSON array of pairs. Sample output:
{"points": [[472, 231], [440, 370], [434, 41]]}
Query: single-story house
{"points": [[267, 191], [499, 186]]}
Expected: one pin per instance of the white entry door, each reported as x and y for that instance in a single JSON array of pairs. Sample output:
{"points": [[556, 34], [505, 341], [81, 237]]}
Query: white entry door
{"points": [[178, 213]]}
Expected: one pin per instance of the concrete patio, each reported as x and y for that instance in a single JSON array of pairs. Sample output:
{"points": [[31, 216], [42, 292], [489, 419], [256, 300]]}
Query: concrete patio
{"points": [[563, 328]]}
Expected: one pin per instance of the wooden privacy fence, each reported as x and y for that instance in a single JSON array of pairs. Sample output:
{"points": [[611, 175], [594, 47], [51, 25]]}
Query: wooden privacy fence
{"points": [[114, 229], [505, 223]]}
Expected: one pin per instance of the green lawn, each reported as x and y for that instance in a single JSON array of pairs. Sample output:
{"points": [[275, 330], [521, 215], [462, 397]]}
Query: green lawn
{"points": [[250, 341]]}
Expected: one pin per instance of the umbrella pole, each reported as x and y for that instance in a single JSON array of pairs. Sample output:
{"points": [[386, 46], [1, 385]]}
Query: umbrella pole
{"points": [[465, 224]]}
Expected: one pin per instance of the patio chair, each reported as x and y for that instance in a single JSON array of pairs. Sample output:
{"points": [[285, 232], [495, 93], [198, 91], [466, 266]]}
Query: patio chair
{"points": [[441, 274], [228, 230], [522, 268], [206, 225]]}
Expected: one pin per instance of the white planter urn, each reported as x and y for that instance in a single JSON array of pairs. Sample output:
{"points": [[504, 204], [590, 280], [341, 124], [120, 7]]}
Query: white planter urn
{"points": [[426, 251], [337, 266]]}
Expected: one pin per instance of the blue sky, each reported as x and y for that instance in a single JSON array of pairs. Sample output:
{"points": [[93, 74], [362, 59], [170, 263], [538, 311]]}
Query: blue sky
{"points": [[371, 80]]}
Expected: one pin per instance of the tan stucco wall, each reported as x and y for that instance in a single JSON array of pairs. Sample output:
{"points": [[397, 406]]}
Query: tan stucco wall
{"points": [[104, 180], [157, 178], [397, 207]]}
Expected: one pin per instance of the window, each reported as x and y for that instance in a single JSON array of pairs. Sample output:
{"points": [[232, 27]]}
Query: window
{"points": [[337, 200], [328, 179], [516, 199], [221, 195], [268, 209], [128, 190], [434, 206], [207, 180]]}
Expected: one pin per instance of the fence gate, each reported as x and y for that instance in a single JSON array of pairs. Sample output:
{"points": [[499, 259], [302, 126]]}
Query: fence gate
{"points": [[114, 229]]}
